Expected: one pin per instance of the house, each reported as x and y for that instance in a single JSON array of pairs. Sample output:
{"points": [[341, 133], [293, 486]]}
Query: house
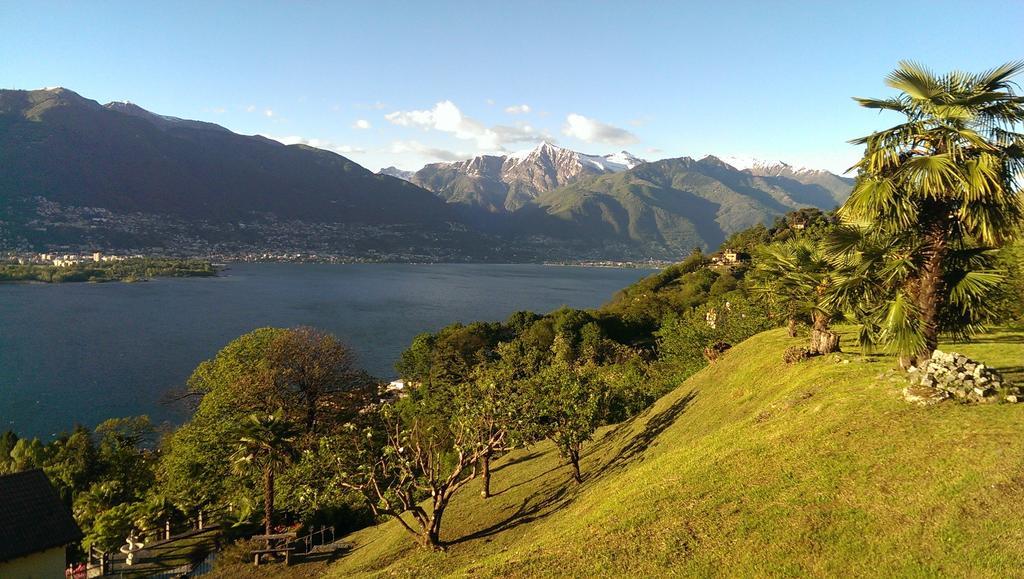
{"points": [[730, 258], [35, 527]]}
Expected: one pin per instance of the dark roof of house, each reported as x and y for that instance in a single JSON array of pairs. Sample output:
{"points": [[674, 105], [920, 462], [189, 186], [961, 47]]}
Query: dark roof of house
{"points": [[32, 516]]}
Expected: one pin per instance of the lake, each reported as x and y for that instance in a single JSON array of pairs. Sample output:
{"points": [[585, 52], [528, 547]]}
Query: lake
{"points": [[79, 352]]}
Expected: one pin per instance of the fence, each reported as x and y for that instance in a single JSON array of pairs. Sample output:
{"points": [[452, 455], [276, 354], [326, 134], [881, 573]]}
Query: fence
{"points": [[305, 543], [100, 562]]}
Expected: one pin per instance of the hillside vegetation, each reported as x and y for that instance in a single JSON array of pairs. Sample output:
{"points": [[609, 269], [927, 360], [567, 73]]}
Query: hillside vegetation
{"points": [[752, 467]]}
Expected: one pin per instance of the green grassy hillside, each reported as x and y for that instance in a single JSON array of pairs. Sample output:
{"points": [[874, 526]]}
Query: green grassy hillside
{"points": [[752, 467]]}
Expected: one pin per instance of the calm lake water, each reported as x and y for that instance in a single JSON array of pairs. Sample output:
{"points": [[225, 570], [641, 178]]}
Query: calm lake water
{"points": [[82, 353]]}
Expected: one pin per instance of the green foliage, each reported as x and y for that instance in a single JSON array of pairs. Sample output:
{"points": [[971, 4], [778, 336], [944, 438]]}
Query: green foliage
{"points": [[1008, 303], [570, 403], [937, 187], [309, 376], [679, 287], [133, 269], [752, 468], [683, 338], [794, 279], [265, 446], [877, 278]]}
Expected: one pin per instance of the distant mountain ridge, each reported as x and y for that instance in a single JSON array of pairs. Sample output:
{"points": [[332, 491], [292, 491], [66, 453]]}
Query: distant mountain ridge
{"points": [[79, 174], [72, 150], [507, 183], [669, 206]]}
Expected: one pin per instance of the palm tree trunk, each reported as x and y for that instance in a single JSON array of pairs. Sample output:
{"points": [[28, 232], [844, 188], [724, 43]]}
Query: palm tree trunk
{"points": [[268, 500], [930, 288], [823, 340]]}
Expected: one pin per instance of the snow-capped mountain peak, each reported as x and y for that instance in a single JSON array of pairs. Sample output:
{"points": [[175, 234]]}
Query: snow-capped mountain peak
{"points": [[625, 158], [611, 163], [766, 167]]}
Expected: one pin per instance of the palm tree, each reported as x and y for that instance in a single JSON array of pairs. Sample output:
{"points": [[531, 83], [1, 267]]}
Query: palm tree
{"points": [[266, 443], [795, 277], [944, 179]]}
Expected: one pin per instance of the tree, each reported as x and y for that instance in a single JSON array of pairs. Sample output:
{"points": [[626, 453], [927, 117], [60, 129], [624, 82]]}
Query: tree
{"points": [[27, 454], [569, 407], [316, 369], [266, 443], [498, 401], [875, 266], [422, 448], [305, 372], [795, 277], [945, 179], [7, 441]]}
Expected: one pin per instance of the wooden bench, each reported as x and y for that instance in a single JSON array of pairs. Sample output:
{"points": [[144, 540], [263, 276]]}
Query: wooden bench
{"points": [[273, 551]]}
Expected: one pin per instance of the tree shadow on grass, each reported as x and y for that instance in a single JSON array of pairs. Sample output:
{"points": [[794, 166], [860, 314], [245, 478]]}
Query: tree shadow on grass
{"points": [[517, 460], [1012, 374], [1015, 337], [643, 440], [328, 553], [546, 501], [529, 480], [528, 511]]}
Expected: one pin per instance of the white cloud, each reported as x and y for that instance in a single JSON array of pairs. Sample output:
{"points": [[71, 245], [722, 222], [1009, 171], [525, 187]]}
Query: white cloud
{"points": [[361, 124], [250, 109], [419, 149], [268, 113], [517, 109], [594, 131], [447, 118], [490, 102], [318, 143]]}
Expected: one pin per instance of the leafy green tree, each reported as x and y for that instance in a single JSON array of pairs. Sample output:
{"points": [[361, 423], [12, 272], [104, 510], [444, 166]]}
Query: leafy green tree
{"points": [[123, 451], [683, 339], [7, 441], [945, 179], [874, 267], [569, 406], [308, 374], [423, 448], [73, 463], [266, 444], [498, 403], [27, 454]]}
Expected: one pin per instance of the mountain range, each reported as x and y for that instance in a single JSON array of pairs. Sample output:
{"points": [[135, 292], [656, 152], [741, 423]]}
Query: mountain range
{"points": [[76, 173], [620, 204], [507, 183]]}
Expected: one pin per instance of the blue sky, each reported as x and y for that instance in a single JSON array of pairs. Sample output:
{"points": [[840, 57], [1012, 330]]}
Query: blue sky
{"points": [[407, 83]]}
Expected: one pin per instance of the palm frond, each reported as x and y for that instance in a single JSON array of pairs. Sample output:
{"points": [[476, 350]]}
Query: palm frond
{"points": [[915, 80]]}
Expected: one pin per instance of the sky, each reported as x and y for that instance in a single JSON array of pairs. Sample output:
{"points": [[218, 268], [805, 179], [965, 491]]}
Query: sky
{"points": [[408, 83]]}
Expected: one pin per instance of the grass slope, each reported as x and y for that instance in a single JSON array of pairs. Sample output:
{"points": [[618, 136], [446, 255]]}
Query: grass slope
{"points": [[753, 467]]}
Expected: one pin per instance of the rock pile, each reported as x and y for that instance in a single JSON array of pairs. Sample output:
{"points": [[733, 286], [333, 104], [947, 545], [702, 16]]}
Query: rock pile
{"points": [[952, 375], [794, 354]]}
